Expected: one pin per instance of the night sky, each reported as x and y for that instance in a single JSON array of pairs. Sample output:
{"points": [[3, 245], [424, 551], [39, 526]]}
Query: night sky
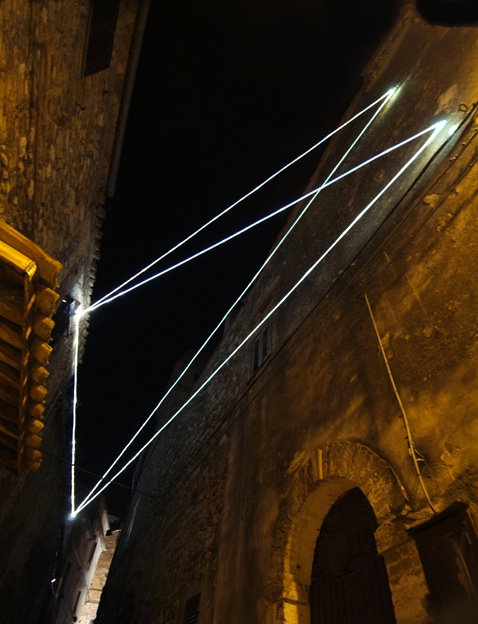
{"points": [[226, 94]]}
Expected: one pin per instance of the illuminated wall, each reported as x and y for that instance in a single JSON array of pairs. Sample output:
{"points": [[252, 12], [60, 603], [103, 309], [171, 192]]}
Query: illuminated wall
{"points": [[366, 379], [59, 102]]}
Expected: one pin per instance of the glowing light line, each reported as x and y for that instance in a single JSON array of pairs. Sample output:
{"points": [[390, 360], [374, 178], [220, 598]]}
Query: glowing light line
{"points": [[353, 144], [437, 128], [202, 347], [341, 160], [386, 99], [76, 350], [313, 192], [432, 127], [387, 95]]}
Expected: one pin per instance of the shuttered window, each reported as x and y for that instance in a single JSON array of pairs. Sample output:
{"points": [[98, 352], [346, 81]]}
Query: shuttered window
{"points": [[191, 611], [448, 548], [261, 348], [101, 36]]}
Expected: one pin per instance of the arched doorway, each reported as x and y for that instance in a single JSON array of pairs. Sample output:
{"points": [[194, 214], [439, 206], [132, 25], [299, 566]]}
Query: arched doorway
{"points": [[349, 583], [328, 475]]}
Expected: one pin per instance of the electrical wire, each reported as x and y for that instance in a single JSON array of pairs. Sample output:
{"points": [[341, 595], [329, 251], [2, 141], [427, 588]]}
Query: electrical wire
{"points": [[411, 443], [437, 127]]}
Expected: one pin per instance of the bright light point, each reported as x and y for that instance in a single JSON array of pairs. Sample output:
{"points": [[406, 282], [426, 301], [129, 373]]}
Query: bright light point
{"points": [[108, 298], [80, 311], [392, 92], [440, 124], [72, 515], [452, 129]]}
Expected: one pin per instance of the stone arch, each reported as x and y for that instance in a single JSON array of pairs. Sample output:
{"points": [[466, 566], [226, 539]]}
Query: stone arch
{"points": [[329, 473]]}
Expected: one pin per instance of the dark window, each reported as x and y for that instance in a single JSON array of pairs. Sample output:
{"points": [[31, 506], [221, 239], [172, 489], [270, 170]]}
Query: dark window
{"points": [[76, 606], [90, 558], [448, 548], [62, 316], [261, 348], [191, 611], [104, 14]]}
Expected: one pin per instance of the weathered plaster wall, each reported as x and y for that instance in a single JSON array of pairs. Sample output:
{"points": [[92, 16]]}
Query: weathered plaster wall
{"points": [[325, 390]]}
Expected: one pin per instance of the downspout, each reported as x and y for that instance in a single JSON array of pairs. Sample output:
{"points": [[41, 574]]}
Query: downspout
{"points": [[132, 67]]}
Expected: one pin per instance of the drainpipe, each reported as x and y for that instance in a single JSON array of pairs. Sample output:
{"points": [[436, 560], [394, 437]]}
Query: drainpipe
{"points": [[133, 60]]}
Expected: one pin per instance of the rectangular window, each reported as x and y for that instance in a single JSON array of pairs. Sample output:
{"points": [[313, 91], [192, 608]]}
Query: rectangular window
{"points": [[76, 604], [191, 611], [99, 48], [64, 580], [91, 555], [62, 317], [261, 348], [448, 548]]}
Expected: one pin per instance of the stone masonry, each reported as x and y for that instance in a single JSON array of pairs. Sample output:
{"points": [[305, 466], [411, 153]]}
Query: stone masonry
{"points": [[57, 128], [232, 496]]}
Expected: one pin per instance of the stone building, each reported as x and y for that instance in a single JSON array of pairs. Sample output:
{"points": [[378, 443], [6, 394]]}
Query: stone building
{"points": [[67, 71], [88, 554], [327, 468], [99, 578]]}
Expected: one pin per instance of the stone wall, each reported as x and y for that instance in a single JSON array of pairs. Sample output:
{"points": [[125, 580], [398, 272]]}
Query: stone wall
{"points": [[57, 127], [321, 416], [190, 536], [56, 137]]}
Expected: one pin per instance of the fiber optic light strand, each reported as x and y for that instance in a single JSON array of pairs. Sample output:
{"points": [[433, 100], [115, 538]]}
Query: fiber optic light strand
{"points": [[437, 127], [339, 163], [387, 95], [76, 350], [247, 287], [314, 192], [353, 144]]}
